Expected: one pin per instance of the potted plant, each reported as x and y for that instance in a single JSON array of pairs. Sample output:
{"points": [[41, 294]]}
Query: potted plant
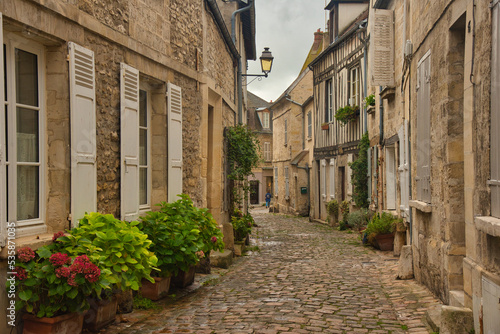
{"points": [[242, 227], [118, 247], [324, 126], [346, 114], [333, 212], [370, 101], [359, 219], [53, 288], [380, 231]]}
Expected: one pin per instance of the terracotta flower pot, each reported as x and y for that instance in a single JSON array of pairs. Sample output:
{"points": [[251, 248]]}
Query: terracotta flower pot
{"points": [[71, 323], [385, 242], [156, 290], [101, 313], [183, 278]]}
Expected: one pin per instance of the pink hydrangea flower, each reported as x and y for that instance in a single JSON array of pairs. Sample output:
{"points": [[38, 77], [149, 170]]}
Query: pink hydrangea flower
{"points": [[63, 272], [21, 273], [25, 254], [82, 265], [57, 235], [59, 259], [214, 239]]}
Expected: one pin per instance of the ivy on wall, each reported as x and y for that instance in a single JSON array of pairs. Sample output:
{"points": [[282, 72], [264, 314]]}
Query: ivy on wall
{"points": [[359, 176]]}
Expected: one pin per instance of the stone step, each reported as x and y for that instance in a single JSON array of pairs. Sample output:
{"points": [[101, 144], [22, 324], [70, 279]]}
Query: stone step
{"points": [[457, 298], [222, 259]]}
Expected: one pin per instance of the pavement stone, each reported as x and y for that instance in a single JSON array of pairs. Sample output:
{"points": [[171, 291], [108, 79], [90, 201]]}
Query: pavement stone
{"points": [[305, 278]]}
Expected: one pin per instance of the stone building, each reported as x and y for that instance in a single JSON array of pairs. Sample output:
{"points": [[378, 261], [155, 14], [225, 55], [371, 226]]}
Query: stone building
{"points": [[114, 107], [435, 144], [260, 120], [339, 81], [292, 140]]}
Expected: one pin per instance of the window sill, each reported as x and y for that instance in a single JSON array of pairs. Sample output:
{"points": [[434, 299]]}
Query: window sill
{"points": [[421, 206], [309, 138], [33, 241], [489, 225]]}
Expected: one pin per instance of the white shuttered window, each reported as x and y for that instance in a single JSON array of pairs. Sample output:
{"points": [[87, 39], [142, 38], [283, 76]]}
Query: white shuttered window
{"points": [[390, 178], [423, 129], [332, 178], [267, 151], [382, 50], [323, 179], [174, 142]]}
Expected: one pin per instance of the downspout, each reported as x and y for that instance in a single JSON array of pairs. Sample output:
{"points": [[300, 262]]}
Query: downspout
{"points": [[381, 117], [238, 76], [365, 61]]}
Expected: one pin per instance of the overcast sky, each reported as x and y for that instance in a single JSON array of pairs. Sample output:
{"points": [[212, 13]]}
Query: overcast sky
{"points": [[287, 27]]}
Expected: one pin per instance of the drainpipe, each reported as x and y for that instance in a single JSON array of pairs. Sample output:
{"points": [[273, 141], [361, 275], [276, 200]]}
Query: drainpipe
{"points": [[362, 29], [239, 76]]}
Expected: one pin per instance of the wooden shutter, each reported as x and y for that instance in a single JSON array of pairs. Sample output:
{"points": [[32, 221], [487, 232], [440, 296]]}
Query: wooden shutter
{"points": [[390, 172], [494, 181], [423, 129], [3, 158], [287, 183], [174, 142], [350, 159], [129, 125], [83, 132], [382, 48], [404, 175], [323, 179], [332, 178]]}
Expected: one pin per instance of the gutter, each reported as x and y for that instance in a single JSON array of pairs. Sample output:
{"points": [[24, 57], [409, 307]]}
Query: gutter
{"points": [[214, 8]]}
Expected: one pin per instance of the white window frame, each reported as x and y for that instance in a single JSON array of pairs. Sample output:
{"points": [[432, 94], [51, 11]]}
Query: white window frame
{"points": [[323, 179], [147, 206], [265, 120], [309, 125], [355, 86], [329, 101], [390, 178], [36, 225], [332, 178], [267, 151]]}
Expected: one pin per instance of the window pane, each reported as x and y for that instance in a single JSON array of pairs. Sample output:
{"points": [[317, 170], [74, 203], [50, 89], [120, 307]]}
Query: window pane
{"points": [[26, 78], [27, 192], [143, 108], [143, 186], [27, 135], [143, 147]]}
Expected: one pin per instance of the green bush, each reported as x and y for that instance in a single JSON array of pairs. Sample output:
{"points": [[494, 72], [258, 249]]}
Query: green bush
{"points": [[359, 174], [358, 219], [112, 244], [381, 224], [344, 210], [370, 100], [333, 209], [346, 114], [242, 225]]}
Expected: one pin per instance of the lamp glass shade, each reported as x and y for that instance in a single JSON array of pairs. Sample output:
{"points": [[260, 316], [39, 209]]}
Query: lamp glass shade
{"points": [[266, 60]]}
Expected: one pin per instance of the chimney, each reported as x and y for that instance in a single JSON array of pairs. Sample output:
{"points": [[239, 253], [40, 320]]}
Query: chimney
{"points": [[318, 36]]}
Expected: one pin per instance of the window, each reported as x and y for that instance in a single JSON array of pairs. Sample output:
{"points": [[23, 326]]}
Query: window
{"points": [[267, 151], [309, 124], [323, 179], [355, 95], [494, 181], [265, 120], [329, 101], [286, 132], [332, 178], [23, 132], [144, 150]]}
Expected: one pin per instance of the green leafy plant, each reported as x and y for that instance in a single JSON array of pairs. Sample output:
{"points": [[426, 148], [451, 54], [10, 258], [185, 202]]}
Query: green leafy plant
{"points": [[346, 114], [115, 245], [344, 210], [381, 224], [358, 219], [333, 208], [143, 303], [50, 284], [181, 234], [242, 225], [359, 174], [370, 100], [243, 154]]}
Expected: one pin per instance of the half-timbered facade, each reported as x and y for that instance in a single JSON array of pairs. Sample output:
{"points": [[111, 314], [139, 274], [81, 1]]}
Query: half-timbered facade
{"points": [[339, 81]]}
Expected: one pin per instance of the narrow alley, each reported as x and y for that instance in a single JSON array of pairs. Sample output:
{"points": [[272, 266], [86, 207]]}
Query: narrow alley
{"points": [[300, 277]]}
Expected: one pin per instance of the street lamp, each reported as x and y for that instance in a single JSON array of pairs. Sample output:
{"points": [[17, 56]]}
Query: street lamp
{"points": [[266, 63]]}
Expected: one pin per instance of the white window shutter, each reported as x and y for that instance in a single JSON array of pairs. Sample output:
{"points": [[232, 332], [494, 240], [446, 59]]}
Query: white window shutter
{"points": [[382, 48], [495, 115], [276, 181], [174, 142], [390, 181], [332, 178], [323, 179], [83, 132], [423, 143], [287, 183], [369, 174], [3, 186], [350, 158], [129, 151], [404, 169]]}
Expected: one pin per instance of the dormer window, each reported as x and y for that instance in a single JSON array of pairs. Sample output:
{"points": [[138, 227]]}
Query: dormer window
{"points": [[265, 120]]}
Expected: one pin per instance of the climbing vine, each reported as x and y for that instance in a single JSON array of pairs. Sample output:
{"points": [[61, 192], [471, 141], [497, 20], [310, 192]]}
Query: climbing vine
{"points": [[359, 176], [243, 154]]}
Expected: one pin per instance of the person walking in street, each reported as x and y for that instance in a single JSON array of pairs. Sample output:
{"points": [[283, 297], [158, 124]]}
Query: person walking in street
{"points": [[268, 199]]}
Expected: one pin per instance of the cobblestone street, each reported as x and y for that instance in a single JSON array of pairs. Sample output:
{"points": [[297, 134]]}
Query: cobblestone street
{"points": [[304, 278]]}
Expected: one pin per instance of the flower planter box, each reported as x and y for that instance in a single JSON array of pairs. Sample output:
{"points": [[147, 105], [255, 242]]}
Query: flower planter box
{"points": [[101, 313], [156, 290], [71, 323], [183, 278], [385, 242], [325, 126]]}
